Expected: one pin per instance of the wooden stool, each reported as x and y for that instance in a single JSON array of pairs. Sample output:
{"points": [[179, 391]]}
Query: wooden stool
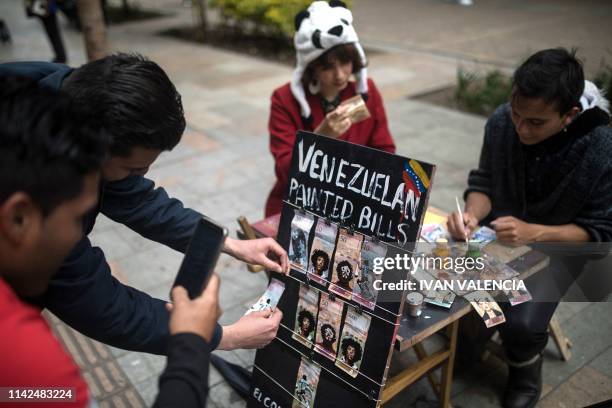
{"points": [[563, 343], [444, 357], [249, 233]]}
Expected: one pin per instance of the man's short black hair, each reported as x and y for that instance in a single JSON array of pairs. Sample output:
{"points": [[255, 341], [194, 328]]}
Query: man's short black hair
{"points": [[133, 99], [46, 145], [554, 75]]}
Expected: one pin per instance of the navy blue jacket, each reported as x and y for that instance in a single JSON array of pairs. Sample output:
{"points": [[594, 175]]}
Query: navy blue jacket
{"points": [[83, 293]]}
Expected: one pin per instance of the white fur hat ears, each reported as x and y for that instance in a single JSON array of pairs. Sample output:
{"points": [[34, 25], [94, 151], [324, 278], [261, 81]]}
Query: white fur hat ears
{"points": [[323, 26]]}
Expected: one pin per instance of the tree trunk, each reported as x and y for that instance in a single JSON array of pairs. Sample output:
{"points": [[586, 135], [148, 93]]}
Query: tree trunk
{"points": [[93, 28], [199, 7]]}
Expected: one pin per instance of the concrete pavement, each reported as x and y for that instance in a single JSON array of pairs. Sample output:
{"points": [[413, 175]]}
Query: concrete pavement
{"points": [[223, 167]]}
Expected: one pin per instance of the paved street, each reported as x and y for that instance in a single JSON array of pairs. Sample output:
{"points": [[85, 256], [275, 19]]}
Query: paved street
{"points": [[223, 167]]}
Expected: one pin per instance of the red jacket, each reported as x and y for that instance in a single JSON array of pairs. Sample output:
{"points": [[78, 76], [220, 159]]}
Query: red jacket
{"points": [[285, 121], [30, 356]]}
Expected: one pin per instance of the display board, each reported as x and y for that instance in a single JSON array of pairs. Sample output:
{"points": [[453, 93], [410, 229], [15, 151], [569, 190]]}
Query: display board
{"points": [[345, 206]]}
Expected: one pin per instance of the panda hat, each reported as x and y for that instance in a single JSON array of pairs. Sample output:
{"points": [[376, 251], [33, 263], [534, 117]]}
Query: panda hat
{"points": [[318, 29]]}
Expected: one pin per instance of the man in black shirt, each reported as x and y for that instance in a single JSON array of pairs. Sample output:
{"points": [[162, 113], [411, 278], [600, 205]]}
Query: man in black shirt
{"points": [[544, 176]]}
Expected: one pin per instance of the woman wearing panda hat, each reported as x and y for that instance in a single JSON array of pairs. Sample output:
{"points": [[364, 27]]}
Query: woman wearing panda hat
{"points": [[328, 54]]}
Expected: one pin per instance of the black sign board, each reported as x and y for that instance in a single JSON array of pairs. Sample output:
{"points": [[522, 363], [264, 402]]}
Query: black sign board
{"points": [[337, 334]]}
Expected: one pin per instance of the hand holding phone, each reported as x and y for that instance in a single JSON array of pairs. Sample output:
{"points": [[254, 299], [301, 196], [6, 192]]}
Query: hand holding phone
{"points": [[197, 316], [201, 257]]}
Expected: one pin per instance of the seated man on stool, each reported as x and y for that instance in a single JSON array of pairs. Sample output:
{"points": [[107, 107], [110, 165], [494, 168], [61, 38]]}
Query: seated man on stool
{"points": [[545, 175]]}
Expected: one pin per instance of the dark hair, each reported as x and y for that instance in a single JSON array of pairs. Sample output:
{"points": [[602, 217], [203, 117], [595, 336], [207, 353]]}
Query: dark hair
{"points": [[344, 263], [342, 53], [46, 144], [555, 75], [319, 253], [349, 341], [323, 327], [305, 314], [133, 99]]}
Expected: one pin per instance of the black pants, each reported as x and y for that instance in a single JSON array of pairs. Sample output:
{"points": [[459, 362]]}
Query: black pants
{"points": [[55, 37], [525, 332]]}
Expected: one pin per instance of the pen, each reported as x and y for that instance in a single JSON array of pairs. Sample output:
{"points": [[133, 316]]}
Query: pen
{"points": [[461, 217]]}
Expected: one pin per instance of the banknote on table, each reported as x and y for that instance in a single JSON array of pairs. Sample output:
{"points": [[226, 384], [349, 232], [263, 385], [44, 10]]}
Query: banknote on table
{"points": [[483, 236], [442, 298], [433, 232], [518, 296], [486, 307]]}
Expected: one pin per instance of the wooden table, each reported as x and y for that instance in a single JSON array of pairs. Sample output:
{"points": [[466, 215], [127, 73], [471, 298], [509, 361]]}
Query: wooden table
{"points": [[413, 331]]}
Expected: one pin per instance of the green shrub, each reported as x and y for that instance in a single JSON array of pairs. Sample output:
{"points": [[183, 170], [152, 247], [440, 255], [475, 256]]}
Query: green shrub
{"points": [[276, 16], [482, 95]]}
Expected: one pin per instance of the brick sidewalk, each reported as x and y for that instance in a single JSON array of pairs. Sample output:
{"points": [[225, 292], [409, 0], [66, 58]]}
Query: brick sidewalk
{"points": [[106, 380]]}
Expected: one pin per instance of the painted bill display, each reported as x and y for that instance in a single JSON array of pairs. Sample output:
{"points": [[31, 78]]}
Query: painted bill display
{"points": [[344, 206]]}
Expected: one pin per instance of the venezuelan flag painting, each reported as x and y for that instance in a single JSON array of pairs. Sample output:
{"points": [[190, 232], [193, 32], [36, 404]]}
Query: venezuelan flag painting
{"points": [[415, 178]]}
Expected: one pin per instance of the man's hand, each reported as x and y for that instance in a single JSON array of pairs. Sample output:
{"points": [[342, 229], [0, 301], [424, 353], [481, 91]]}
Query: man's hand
{"points": [[511, 230], [264, 251], [335, 123], [197, 316], [457, 229], [254, 330]]}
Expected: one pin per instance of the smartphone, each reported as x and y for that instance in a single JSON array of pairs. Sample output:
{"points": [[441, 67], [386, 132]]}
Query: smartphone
{"points": [[201, 257]]}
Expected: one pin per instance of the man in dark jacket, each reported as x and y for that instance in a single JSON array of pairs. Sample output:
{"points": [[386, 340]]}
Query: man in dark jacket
{"points": [[544, 176], [135, 102], [50, 161]]}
